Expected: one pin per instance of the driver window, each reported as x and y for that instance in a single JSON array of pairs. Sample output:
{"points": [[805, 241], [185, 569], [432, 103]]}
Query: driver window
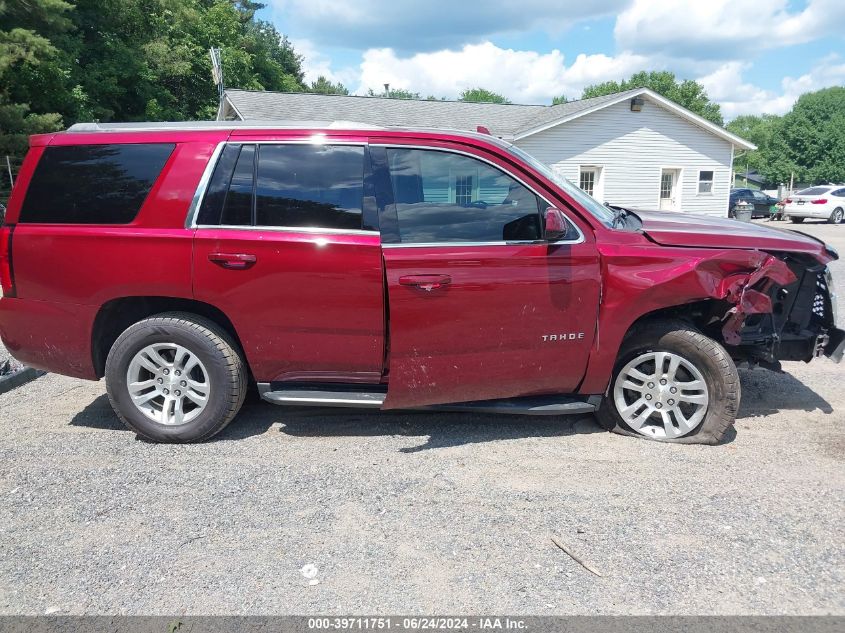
{"points": [[445, 197]]}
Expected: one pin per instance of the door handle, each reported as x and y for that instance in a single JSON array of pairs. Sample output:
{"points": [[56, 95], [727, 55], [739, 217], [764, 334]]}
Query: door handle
{"points": [[426, 282], [233, 261]]}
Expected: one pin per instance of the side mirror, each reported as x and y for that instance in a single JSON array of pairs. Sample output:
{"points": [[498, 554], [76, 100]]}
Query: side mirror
{"points": [[556, 225]]}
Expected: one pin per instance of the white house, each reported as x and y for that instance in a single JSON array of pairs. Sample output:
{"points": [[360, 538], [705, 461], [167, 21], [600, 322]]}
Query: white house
{"points": [[634, 148]]}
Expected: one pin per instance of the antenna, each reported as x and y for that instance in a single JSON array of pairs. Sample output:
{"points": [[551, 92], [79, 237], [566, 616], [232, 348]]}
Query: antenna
{"points": [[217, 77]]}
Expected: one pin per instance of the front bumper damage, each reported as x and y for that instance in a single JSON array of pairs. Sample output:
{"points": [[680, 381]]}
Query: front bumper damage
{"points": [[784, 310]]}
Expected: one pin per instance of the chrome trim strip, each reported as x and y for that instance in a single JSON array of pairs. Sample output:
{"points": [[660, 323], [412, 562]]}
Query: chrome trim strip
{"points": [[578, 240], [285, 229], [199, 194], [465, 244], [309, 141]]}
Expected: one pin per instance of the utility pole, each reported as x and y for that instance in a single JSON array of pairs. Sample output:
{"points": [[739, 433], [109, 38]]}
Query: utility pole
{"points": [[387, 90], [217, 77], [11, 177]]}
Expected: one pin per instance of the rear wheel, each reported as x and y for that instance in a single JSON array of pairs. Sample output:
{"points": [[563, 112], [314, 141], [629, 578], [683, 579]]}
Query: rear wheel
{"points": [[836, 216], [673, 384], [795, 220], [175, 377]]}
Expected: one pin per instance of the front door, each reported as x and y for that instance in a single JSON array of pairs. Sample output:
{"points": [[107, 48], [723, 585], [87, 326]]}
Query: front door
{"points": [[480, 307], [282, 249], [668, 186]]}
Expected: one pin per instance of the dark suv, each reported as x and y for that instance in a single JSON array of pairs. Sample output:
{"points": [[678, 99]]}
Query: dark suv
{"points": [[390, 269]]}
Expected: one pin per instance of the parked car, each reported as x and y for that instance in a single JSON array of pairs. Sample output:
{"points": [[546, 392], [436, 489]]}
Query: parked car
{"points": [[761, 202], [389, 269], [824, 202]]}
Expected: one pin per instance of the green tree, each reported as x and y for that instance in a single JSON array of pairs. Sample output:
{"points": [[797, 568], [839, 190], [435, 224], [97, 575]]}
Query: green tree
{"points": [[687, 93], [394, 93], [28, 56], [325, 87], [559, 100], [482, 95], [760, 130], [63, 61], [810, 139]]}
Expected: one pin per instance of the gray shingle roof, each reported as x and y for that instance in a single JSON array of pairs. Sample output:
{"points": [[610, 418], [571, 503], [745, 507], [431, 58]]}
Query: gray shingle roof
{"points": [[549, 114], [501, 120], [507, 121]]}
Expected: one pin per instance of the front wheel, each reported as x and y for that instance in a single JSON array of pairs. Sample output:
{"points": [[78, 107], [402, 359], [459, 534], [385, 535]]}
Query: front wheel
{"points": [[673, 384], [175, 377], [836, 216], [795, 220]]}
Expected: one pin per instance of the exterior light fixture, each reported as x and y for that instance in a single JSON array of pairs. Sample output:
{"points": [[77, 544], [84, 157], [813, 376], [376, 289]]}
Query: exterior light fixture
{"points": [[637, 104]]}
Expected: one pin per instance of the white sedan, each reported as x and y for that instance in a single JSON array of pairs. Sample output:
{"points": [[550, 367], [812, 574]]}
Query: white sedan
{"points": [[825, 202]]}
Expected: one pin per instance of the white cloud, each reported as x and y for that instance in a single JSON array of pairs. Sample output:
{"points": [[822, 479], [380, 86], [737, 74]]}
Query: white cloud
{"points": [[727, 86], [429, 25], [522, 76], [723, 29], [441, 47], [315, 63]]}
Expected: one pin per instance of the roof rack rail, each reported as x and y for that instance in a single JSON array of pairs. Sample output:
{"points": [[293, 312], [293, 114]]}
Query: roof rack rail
{"points": [[147, 126]]}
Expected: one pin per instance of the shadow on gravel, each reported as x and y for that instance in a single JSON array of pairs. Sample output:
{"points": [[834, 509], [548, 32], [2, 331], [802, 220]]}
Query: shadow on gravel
{"points": [[99, 415], [444, 429], [766, 393], [254, 419]]}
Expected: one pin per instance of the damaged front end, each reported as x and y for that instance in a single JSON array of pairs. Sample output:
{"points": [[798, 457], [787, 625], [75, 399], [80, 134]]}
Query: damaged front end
{"points": [[785, 310]]}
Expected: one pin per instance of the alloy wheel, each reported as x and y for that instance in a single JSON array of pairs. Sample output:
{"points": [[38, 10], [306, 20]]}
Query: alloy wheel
{"points": [[661, 395], [168, 383]]}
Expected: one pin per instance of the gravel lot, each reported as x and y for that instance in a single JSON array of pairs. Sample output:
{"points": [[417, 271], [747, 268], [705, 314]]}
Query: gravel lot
{"points": [[425, 513]]}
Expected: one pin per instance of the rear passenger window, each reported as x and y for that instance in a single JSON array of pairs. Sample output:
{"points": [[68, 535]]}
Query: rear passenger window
{"points": [[237, 209], [93, 184], [310, 185], [318, 186], [446, 197]]}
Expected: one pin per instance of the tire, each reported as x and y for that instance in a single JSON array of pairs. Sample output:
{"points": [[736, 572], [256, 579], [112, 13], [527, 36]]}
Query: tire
{"points": [[218, 371], [796, 220], [702, 360], [836, 216]]}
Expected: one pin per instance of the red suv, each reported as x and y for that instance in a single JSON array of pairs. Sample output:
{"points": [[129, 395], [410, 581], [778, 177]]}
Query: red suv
{"points": [[390, 269]]}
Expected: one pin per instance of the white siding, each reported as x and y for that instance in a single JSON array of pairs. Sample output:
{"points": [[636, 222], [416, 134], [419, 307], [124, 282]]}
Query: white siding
{"points": [[632, 148]]}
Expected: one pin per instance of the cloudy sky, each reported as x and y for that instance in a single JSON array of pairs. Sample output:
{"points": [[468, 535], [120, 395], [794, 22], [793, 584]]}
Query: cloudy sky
{"points": [[753, 56]]}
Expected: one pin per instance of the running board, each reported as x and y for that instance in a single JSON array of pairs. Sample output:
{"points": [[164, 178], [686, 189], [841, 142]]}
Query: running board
{"points": [[531, 405], [356, 397], [323, 396]]}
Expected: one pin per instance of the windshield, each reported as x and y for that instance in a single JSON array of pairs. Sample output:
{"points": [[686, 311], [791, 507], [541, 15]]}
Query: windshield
{"points": [[592, 205], [814, 191]]}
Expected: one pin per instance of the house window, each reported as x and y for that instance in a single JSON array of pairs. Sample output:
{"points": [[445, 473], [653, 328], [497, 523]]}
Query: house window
{"points": [[587, 181], [463, 190], [705, 181]]}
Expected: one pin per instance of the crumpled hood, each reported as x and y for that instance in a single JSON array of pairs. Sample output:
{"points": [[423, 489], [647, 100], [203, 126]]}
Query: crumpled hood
{"points": [[702, 231]]}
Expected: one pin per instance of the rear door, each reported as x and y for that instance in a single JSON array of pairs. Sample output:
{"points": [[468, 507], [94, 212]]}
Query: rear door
{"points": [[480, 306], [761, 203], [286, 246]]}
